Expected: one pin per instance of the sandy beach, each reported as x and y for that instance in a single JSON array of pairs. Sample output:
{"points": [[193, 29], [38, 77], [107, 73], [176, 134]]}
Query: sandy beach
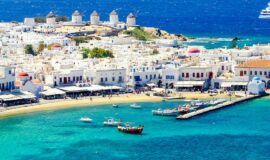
{"points": [[72, 103]]}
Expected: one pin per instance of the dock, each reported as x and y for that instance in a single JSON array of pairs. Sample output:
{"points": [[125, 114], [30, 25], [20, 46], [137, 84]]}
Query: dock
{"points": [[217, 107]]}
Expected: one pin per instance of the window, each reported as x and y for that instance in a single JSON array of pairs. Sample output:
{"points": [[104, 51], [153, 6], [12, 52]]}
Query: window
{"points": [[120, 79], [198, 75], [241, 73], [260, 72], [155, 76], [113, 79], [202, 74], [169, 77], [187, 75], [265, 73], [80, 78], [245, 72], [193, 75], [183, 75], [101, 79], [60, 80], [250, 72], [146, 76], [74, 79], [106, 79], [151, 76], [255, 73]]}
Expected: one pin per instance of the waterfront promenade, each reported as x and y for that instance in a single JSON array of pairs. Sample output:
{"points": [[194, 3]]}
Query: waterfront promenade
{"points": [[217, 107]]}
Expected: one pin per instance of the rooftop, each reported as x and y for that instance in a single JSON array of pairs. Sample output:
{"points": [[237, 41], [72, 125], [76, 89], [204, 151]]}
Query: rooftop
{"points": [[258, 63], [76, 13]]}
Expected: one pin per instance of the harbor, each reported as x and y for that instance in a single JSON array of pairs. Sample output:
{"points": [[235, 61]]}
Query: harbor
{"points": [[218, 106]]}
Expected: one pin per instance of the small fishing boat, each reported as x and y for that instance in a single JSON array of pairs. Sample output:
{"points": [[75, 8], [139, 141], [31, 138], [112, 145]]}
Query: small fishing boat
{"points": [[115, 106], [199, 104], [135, 106], [216, 102], [186, 109], [130, 129], [112, 122], [86, 120], [166, 112]]}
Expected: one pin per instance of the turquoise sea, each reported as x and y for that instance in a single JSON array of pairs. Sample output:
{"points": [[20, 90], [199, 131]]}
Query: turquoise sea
{"points": [[237, 133]]}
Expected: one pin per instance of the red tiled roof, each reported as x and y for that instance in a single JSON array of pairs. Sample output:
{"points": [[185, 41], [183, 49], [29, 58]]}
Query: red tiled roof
{"points": [[23, 74], [258, 63]]}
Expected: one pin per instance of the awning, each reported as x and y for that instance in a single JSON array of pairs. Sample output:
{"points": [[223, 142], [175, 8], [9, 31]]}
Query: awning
{"points": [[188, 84], [230, 84], [52, 92], [73, 89]]}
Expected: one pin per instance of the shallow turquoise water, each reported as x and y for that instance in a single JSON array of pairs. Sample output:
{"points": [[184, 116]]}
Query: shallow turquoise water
{"points": [[239, 132]]}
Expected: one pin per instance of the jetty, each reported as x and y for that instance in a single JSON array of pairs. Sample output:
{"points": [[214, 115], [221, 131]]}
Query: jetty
{"points": [[217, 107]]}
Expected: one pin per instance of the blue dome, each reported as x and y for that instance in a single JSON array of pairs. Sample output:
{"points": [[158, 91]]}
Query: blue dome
{"points": [[256, 78]]}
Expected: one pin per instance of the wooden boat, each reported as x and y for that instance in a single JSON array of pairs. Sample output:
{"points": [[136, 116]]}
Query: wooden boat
{"points": [[166, 112], [112, 122], [135, 106], [86, 120], [130, 129]]}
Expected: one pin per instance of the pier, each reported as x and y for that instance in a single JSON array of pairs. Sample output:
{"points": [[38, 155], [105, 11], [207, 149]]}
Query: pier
{"points": [[219, 106]]}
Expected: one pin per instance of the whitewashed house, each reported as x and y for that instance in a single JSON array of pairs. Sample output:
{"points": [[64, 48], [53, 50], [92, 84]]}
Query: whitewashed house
{"points": [[256, 86], [7, 78]]}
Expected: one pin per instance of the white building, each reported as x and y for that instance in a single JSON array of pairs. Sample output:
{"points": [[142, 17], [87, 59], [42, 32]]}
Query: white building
{"points": [[142, 75], [107, 76], [76, 17], [29, 21], [51, 18], [7, 78], [131, 20], [259, 68], [256, 86], [25, 83], [95, 18], [114, 20], [64, 77]]}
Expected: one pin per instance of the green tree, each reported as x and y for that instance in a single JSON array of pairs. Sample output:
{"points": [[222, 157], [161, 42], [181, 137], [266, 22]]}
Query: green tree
{"points": [[96, 53], [41, 47], [61, 19], [40, 19], [28, 49]]}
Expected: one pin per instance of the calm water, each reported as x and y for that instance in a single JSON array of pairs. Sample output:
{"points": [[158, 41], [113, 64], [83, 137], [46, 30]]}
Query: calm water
{"points": [[240, 132], [204, 18]]}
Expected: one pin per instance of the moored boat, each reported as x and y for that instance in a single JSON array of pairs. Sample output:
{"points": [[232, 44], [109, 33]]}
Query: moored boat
{"points": [[135, 106], [166, 112], [86, 120], [115, 106], [112, 122], [130, 129]]}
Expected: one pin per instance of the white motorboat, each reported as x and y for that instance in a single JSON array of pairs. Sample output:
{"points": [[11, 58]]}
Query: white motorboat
{"points": [[112, 122], [115, 106], [216, 102], [265, 13], [166, 112], [135, 106], [86, 119]]}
